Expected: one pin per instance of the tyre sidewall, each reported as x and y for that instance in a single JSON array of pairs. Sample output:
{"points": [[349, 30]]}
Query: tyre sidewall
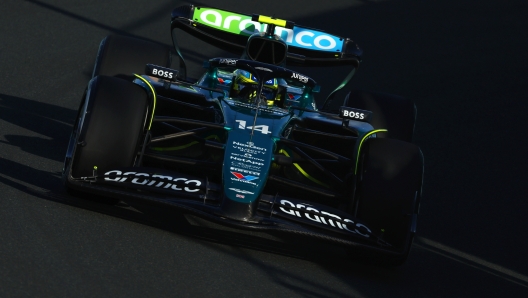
{"points": [[389, 189], [110, 127]]}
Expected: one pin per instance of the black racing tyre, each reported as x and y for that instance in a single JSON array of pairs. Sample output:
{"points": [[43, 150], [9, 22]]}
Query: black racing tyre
{"points": [[389, 191], [108, 131], [123, 56], [112, 126], [394, 113]]}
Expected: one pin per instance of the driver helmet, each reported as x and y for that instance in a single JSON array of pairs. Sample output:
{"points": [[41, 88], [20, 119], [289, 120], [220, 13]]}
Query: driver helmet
{"points": [[245, 86]]}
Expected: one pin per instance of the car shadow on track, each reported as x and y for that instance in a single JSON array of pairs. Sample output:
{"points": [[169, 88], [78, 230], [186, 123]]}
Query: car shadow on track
{"points": [[175, 221], [47, 120], [248, 245], [48, 186]]}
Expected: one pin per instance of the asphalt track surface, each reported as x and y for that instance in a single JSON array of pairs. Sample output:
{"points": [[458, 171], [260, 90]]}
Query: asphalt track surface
{"points": [[463, 62]]}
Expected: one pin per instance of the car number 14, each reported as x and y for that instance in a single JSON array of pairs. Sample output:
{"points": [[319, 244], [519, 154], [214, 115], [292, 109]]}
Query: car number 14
{"points": [[262, 128]]}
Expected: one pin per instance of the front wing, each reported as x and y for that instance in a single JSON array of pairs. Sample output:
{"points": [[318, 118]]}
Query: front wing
{"points": [[202, 198]]}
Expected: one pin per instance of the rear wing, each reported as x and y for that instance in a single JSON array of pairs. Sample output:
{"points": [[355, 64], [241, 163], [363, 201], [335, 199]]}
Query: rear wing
{"points": [[230, 31]]}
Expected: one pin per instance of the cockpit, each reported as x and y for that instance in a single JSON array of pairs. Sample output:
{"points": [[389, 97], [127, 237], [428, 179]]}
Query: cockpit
{"points": [[281, 90]]}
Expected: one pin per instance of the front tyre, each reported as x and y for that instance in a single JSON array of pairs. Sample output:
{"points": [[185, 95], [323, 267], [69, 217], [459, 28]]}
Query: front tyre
{"points": [[388, 193], [123, 56], [109, 128]]}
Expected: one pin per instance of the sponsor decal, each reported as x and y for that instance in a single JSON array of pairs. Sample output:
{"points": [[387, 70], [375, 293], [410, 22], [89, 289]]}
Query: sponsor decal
{"points": [[246, 166], [248, 144], [246, 155], [240, 196], [160, 72], [154, 180], [243, 181], [241, 176], [243, 25], [299, 77], [325, 218], [249, 151], [355, 114], [228, 61], [241, 191], [245, 171], [245, 160]]}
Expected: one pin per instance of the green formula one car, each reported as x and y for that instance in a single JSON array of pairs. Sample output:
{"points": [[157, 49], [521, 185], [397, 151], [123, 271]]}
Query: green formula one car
{"points": [[245, 144]]}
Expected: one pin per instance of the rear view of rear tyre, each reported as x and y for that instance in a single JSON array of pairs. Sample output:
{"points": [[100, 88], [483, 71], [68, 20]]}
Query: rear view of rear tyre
{"points": [[388, 194], [123, 56], [109, 128]]}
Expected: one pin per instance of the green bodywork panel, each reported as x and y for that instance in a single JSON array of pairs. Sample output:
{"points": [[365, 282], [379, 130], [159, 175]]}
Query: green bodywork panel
{"points": [[249, 149]]}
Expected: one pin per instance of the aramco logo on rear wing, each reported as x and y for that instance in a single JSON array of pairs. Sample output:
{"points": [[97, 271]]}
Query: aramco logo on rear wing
{"points": [[243, 25]]}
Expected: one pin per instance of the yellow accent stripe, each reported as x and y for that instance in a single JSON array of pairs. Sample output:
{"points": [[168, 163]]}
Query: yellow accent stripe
{"points": [[361, 144], [305, 174], [174, 148], [153, 94], [268, 20], [184, 146]]}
